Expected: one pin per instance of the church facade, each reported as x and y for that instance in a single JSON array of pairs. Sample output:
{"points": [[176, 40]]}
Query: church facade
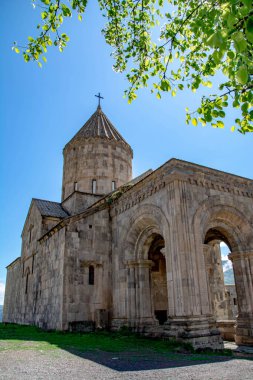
{"points": [[142, 253]]}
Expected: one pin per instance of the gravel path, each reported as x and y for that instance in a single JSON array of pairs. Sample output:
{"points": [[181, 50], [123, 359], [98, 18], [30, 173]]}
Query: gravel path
{"points": [[62, 365]]}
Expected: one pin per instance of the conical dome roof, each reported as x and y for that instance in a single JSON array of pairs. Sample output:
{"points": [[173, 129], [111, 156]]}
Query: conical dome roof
{"points": [[97, 159], [99, 125]]}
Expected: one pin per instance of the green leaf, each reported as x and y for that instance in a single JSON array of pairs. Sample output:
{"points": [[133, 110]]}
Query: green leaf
{"points": [[208, 84], [222, 114], [249, 29], [245, 107], [231, 54], [26, 57], [16, 50], [65, 37], [194, 122], [80, 17], [242, 75], [239, 42], [65, 10], [165, 85], [158, 95], [44, 15], [231, 20], [249, 25], [220, 124], [247, 3]]}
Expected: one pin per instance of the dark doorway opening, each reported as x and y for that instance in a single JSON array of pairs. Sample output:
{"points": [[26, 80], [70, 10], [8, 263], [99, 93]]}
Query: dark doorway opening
{"points": [[161, 316], [158, 279]]}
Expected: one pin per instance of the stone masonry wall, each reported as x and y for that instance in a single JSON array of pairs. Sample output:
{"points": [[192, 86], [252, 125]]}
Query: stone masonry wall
{"points": [[35, 282], [88, 243], [95, 159], [12, 305], [77, 202], [48, 282], [181, 203]]}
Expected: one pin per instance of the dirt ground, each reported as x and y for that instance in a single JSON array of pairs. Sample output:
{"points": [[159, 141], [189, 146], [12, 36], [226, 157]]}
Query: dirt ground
{"points": [[98, 365]]}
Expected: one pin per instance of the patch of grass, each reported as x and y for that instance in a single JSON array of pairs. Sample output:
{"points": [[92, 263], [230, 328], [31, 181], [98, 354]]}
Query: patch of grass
{"points": [[19, 337], [29, 337]]}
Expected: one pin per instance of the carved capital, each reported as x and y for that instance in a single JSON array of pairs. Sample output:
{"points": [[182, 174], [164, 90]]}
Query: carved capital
{"points": [[87, 263], [238, 255], [139, 263]]}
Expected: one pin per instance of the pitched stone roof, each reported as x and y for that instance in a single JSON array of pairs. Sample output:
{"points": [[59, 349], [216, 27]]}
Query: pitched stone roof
{"points": [[99, 125], [48, 208]]}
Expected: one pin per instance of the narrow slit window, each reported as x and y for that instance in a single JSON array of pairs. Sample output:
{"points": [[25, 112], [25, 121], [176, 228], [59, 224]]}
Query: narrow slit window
{"points": [[75, 186], [30, 235], [32, 263], [26, 283], [113, 185], [91, 275], [94, 186]]}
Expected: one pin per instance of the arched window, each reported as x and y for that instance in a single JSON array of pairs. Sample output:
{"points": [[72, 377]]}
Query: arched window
{"points": [[113, 185], [91, 275]]}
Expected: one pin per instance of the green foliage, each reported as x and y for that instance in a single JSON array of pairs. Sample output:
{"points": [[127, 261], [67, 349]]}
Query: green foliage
{"points": [[197, 40], [52, 18]]}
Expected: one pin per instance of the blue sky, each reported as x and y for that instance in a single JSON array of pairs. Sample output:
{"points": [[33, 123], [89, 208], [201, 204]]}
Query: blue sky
{"points": [[41, 109]]}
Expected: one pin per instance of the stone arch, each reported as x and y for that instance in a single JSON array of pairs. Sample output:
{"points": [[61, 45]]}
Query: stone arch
{"points": [[229, 220], [143, 242], [147, 220], [147, 223]]}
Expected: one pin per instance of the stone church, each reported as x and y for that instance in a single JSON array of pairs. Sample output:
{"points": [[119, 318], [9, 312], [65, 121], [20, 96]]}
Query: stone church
{"points": [[142, 253]]}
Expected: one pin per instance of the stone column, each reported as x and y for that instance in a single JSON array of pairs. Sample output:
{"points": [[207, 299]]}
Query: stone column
{"points": [[139, 294], [216, 288], [193, 320], [131, 290], [243, 271]]}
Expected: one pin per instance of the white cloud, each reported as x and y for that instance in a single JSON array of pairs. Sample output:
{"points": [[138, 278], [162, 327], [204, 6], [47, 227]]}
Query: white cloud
{"points": [[228, 265], [224, 251], [2, 289]]}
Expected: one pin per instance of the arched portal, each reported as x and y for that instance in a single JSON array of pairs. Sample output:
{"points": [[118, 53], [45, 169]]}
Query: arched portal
{"points": [[147, 300], [217, 222], [158, 279], [223, 310]]}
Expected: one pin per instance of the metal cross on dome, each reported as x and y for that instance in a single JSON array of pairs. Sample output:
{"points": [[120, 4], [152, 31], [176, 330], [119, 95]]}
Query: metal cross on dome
{"points": [[99, 97]]}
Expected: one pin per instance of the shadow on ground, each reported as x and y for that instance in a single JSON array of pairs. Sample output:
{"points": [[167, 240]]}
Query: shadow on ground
{"points": [[130, 361], [117, 351]]}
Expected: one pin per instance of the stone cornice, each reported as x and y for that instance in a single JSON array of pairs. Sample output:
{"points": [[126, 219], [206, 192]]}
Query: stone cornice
{"points": [[13, 263], [241, 189], [175, 171], [80, 139]]}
